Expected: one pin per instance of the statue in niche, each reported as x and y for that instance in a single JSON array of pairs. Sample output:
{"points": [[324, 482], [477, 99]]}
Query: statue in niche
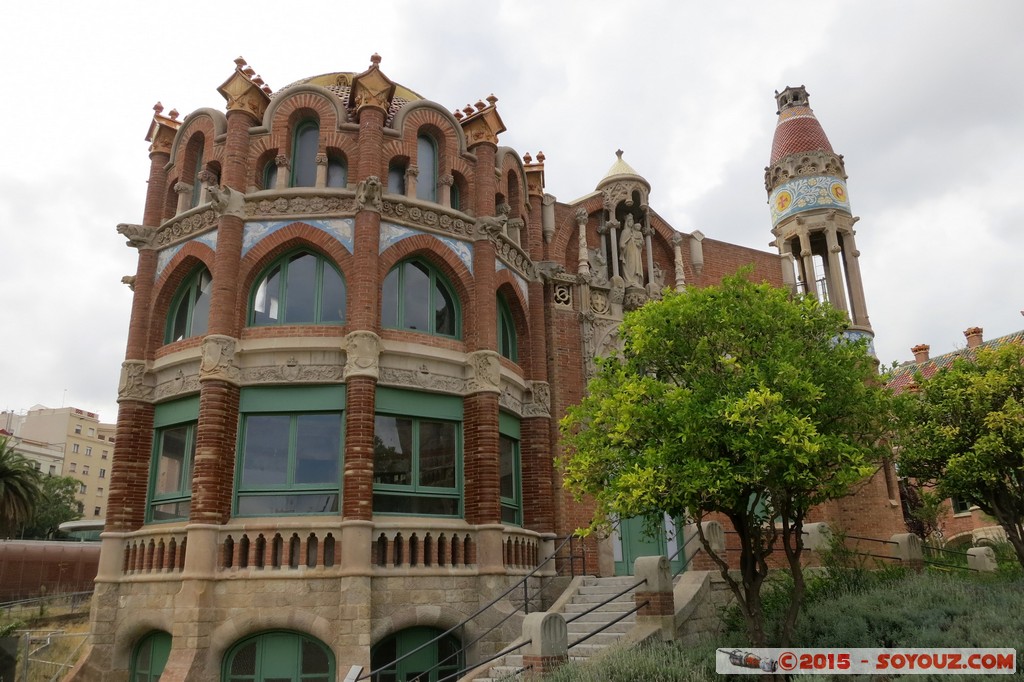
{"points": [[598, 268], [631, 244]]}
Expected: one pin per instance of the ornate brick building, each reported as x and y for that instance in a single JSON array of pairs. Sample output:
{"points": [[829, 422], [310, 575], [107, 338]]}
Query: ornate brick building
{"points": [[357, 319]]}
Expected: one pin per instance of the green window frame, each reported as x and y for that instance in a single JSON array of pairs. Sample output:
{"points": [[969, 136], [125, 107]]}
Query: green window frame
{"points": [[959, 505], [305, 145], [426, 163], [508, 345], [301, 287], [174, 449], [510, 470], [270, 175], [190, 308], [416, 296], [422, 659], [150, 656], [279, 656], [417, 458], [290, 450], [455, 197]]}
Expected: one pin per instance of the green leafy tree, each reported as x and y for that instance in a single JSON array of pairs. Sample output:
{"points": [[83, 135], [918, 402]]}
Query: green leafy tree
{"points": [[735, 400], [963, 432], [19, 487], [57, 504]]}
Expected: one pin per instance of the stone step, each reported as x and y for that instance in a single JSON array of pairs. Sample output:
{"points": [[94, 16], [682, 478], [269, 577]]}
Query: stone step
{"points": [[602, 617], [603, 638], [604, 590], [610, 607], [582, 627], [622, 581]]}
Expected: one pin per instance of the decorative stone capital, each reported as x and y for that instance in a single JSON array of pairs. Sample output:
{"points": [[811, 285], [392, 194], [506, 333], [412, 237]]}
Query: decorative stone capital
{"points": [[321, 159], [484, 372], [226, 201], [483, 125], [243, 93], [362, 351], [207, 177], [219, 361], [369, 193], [372, 88], [412, 172], [538, 400], [581, 216], [281, 161], [162, 130], [135, 384], [447, 180], [138, 236]]}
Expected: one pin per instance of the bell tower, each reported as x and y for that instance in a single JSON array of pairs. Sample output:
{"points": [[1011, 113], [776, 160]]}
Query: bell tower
{"points": [[810, 208]]}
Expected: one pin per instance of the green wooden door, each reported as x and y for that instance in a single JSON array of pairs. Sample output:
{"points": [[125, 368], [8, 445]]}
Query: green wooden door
{"points": [[635, 542], [424, 662]]}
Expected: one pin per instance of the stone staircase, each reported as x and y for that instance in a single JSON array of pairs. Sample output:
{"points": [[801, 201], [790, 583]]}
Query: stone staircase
{"points": [[583, 594]]}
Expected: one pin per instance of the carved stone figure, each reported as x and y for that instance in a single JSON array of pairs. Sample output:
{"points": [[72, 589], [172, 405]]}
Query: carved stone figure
{"points": [[129, 280], [219, 359], [226, 201], [362, 350], [485, 372], [133, 382], [492, 225], [631, 244], [369, 193], [538, 402], [598, 268]]}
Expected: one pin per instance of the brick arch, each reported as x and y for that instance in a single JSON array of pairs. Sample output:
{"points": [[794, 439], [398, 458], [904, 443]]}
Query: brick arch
{"points": [[310, 100], [257, 621], [512, 170], [209, 122], [344, 142], [430, 249], [260, 160], [415, 115], [508, 287], [568, 229], [289, 238], [184, 263], [394, 150]]}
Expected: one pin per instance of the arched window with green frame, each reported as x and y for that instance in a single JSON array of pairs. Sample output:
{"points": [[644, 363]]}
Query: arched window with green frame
{"points": [[299, 288], [279, 656], [190, 307], [426, 163], [508, 346], [150, 656], [416, 296], [305, 146]]}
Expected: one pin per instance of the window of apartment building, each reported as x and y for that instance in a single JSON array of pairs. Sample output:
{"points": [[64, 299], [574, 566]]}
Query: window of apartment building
{"points": [[281, 655], [170, 488], [53, 469], [81, 490], [417, 462], [99, 492], [74, 447], [38, 466], [85, 470], [417, 296], [72, 467], [290, 451], [396, 176], [103, 454], [960, 505], [92, 431], [96, 511], [190, 308], [337, 170], [78, 428], [509, 463], [300, 288], [88, 451], [103, 473]]}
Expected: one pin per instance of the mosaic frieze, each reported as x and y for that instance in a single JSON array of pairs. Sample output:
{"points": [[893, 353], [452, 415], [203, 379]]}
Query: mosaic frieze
{"points": [[342, 229], [391, 234], [806, 194]]}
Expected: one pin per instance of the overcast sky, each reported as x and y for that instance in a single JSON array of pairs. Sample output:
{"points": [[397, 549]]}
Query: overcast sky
{"points": [[924, 99]]}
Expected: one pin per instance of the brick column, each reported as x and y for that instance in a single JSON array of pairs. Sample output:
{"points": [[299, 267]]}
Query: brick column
{"points": [[364, 320], [129, 469], [214, 465], [655, 597]]}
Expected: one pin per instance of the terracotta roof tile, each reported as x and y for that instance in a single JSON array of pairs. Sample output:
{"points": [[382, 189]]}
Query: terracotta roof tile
{"points": [[904, 376], [798, 131]]}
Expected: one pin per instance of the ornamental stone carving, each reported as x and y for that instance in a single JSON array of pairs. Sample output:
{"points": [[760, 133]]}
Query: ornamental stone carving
{"points": [[138, 236], [369, 193], [291, 372], [634, 298], [431, 220], [315, 205], [129, 280], [181, 230], [538, 400], [563, 295], [484, 372], [176, 385], [134, 383], [422, 378], [226, 201], [362, 354], [509, 402], [218, 362], [489, 227]]}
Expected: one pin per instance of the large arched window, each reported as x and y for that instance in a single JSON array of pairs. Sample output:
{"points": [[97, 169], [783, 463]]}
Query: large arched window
{"points": [[150, 656], [304, 150], [416, 296], [425, 661], [279, 657], [426, 163], [507, 344], [301, 288], [190, 308]]}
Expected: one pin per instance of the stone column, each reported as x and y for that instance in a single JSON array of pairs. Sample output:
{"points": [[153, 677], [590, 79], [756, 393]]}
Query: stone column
{"points": [[836, 281], [412, 173], [858, 305], [321, 170], [648, 232], [548, 647], [807, 258], [613, 236], [677, 254], [444, 187]]}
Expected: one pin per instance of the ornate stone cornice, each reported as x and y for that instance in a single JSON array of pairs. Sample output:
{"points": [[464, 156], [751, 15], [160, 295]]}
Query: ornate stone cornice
{"points": [[484, 372], [178, 384], [291, 371], [138, 236], [219, 361], [300, 206], [135, 382], [422, 378], [513, 256], [372, 88], [483, 125], [362, 354], [186, 227], [433, 220], [805, 164]]}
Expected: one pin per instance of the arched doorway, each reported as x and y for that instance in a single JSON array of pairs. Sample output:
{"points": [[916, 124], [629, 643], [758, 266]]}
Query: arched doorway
{"points": [[150, 656], [426, 661], [279, 656]]}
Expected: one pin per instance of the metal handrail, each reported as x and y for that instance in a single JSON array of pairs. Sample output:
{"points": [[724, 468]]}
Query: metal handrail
{"points": [[607, 601], [507, 650], [608, 624], [479, 611], [884, 542]]}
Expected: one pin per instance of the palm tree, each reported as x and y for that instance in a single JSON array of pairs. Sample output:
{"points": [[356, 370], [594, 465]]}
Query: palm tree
{"points": [[19, 486]]}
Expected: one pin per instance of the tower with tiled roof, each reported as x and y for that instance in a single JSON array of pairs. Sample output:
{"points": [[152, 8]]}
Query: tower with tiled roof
{"points": [[810, 207]]}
